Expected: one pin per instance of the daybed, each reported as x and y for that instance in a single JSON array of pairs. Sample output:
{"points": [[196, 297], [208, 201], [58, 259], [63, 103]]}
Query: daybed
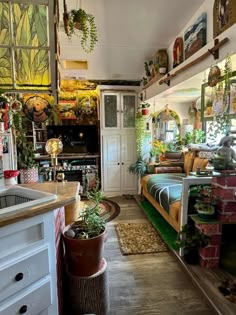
{"points": [[163, 189]]}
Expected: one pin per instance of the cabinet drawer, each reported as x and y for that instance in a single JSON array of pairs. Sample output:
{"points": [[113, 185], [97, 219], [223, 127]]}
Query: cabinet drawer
{"points": [[23, 272], [32, 301]]}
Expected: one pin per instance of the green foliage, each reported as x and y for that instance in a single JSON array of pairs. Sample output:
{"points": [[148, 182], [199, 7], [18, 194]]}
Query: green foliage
{"points": [[90, 223], [221, 124], [191, 238], [79, 20], [139, 167], [25, 149], [140, 126], [195, 136]]}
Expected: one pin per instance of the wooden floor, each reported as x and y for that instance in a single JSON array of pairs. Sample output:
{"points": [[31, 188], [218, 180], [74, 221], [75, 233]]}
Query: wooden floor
{"points": [[148, 284]]}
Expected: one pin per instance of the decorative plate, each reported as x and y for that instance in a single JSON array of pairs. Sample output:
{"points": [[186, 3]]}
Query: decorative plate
{"points": [[37, 109], [214, 76]]}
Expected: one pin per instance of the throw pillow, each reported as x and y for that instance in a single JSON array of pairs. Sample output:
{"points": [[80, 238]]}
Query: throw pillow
{"points": [[188, 162]]}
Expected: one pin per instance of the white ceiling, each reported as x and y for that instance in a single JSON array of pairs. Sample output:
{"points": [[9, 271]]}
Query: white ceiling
{"points": [[129, 33]]}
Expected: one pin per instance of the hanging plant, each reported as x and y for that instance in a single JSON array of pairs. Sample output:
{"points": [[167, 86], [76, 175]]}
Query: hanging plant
{"points": [[80, 23]]}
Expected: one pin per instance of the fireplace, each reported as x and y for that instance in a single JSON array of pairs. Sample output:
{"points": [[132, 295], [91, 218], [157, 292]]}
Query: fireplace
{"points": [[220, 230]]}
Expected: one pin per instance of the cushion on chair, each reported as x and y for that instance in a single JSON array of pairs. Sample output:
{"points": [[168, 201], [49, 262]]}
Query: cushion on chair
{"points": [[188, 162], [168, 169]]}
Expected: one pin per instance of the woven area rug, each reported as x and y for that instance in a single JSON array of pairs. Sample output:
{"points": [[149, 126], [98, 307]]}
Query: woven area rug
{"points": [[109, 209], [139, 238]]}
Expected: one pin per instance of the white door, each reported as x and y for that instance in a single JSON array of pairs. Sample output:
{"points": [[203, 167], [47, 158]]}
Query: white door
{"points": [[111, 163], [128, 156]]}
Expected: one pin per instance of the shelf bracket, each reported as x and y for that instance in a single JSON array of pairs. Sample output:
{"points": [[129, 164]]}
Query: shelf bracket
{"points": [[215, 52], [166, 81]]}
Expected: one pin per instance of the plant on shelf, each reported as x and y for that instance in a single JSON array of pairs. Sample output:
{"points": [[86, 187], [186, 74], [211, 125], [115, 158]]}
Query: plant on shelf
{"points": [[191, 240], [25, 152], [84, 238], [139, 167], [79, 22], [145, 108]]}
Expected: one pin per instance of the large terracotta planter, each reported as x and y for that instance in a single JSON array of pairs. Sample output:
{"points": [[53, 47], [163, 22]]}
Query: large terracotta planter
{"points": [[29, 175], [83, 256]]}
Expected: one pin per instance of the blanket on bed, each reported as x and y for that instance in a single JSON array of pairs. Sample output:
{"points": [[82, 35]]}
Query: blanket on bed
{"points": [[165, 188]]}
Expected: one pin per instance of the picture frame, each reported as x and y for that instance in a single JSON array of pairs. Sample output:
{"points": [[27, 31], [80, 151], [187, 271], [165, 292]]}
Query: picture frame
{"points": [[224, 15], [195, 36]]}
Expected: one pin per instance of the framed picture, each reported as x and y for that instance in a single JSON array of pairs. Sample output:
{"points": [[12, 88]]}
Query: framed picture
{"points": [[224, 15], [195, 36], [232, 107]]}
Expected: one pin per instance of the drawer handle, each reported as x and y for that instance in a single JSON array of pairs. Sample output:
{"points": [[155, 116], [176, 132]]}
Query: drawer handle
{"points": [[23, 309], [19, 276]]}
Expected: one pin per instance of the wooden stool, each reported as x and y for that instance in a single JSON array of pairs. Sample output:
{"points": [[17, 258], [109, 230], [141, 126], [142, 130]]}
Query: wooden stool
{"points": [[89, 295]]}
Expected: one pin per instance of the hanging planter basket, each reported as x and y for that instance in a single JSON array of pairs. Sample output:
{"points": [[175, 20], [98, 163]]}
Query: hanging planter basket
{"points": [[80, 23]]}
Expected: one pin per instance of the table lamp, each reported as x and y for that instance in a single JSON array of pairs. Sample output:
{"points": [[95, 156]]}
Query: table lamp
{"points": [[53, 147]]}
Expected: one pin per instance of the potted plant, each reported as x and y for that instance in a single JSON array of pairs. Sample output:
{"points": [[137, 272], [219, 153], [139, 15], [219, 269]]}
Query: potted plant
{"points": [[83, 239], [192, 239], [79, 22], [145, 109], [25, 152]]}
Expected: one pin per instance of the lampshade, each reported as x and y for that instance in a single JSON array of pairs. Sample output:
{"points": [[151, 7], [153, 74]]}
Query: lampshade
{"points": [[54, 146]]}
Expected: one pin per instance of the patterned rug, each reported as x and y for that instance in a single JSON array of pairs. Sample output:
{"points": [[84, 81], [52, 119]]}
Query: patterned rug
{"points": [[109, 209], [139, 238]]}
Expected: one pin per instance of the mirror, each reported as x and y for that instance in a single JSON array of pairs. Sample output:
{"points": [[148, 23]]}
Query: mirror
{"points": [[166, 124]]}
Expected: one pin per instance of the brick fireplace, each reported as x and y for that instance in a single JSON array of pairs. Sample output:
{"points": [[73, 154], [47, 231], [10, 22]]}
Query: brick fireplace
{"points": [[224, 188]]}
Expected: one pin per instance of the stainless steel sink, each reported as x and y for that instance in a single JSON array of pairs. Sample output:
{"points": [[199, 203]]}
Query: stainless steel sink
{"points": [[21, 198]]}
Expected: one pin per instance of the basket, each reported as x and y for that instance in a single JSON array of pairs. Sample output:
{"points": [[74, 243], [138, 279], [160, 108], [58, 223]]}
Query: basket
{"points": [[12, 200]]}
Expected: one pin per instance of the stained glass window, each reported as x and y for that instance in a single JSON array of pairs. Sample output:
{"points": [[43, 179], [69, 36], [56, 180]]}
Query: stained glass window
{"points": [[24, 49]]}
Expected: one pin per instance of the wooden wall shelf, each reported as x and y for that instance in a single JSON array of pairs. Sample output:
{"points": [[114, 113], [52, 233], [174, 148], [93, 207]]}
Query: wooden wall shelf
{"points": [[213, 51], [153, 80]]}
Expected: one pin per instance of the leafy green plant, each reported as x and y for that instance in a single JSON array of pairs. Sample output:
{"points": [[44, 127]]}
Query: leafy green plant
{"points": [[195, 136], [139, 167], [25, 149], [83, 23], [191, 238], [90, 223]]}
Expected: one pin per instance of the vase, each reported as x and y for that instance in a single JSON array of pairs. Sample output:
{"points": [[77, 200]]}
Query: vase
{"points": [[11, 181], [29, 175]]}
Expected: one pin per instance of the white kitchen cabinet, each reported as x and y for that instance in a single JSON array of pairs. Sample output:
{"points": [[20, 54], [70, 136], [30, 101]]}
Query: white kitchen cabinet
{"points": [[119, 151], [28, 267]]}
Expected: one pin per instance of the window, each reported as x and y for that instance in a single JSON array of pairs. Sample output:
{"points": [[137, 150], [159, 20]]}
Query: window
{"points": [[24, 46]]}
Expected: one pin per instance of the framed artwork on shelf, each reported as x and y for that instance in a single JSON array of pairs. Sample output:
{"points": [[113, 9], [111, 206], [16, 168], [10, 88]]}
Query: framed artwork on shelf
{"points": [[224, 15], [195, 36], [178, 52], [232, 107]]}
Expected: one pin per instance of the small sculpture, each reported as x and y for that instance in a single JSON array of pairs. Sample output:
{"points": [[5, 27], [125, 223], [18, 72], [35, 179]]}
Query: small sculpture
{"points": [[227, 153]]}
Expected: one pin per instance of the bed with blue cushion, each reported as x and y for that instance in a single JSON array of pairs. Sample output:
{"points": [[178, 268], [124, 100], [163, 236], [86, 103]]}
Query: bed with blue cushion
{"points": [[164, 192]]}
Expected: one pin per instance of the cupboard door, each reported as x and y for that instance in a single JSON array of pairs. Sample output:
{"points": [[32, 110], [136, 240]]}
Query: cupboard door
{"points": [[128, 156], [111, 110], [111, 163], [128, 109]]}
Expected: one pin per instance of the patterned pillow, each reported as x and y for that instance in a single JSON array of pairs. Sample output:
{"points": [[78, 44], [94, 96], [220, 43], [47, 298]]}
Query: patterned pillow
{"points": [[206, 154]]}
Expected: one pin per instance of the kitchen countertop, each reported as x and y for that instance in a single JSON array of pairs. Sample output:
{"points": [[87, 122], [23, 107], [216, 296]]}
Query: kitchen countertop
{"points": [[67, 193]]}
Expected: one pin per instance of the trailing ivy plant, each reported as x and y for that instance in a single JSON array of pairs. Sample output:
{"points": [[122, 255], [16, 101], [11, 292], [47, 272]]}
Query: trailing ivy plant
{"points": [[139, 167], [83, 24], [221, 124]]}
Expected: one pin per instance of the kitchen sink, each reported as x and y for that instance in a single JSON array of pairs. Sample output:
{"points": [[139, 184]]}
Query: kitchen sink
{"points": [[21, 198]]}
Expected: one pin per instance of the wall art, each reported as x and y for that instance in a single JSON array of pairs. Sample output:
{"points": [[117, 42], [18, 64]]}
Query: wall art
{"points": [[195, 36]]}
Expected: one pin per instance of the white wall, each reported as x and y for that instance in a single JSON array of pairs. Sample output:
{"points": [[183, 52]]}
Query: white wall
{"points": [[194, 74]]}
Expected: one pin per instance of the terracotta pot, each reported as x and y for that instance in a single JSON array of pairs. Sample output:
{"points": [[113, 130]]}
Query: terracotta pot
{"points": [[83, 256], [145, 111]]}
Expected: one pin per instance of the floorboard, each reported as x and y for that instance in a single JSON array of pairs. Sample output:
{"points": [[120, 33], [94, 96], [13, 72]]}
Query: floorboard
{"points": [[148, 283]]}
